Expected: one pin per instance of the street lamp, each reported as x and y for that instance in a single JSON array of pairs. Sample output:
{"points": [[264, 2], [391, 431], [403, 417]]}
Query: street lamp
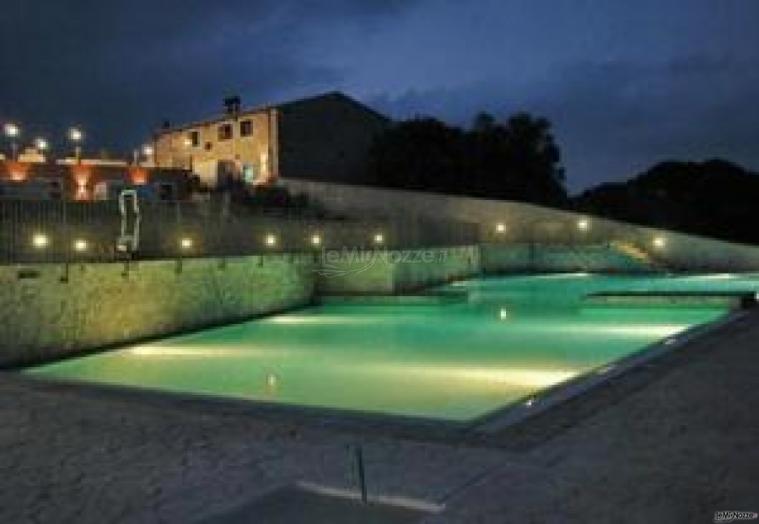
{"points": [[76, 136], [41, 145], [147, 152], [12, 131]]}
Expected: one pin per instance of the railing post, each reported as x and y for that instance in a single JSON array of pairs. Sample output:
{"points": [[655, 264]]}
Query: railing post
{"points": [[66, 241], [359, 453]]}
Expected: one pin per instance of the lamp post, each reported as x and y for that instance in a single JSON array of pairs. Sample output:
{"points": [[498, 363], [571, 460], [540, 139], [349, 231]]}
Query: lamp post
{"points": [[76, 136], [187, 143], [12, 131], [148, 151], [41, 145]]}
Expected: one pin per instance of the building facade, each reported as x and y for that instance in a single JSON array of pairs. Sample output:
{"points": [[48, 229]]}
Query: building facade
{"points": [[326, 137], [89, 180]]}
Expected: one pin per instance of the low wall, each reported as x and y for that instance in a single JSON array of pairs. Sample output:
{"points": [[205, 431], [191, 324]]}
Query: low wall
{"points": [[387, 272], [511, 258], [47, 313], [526, 223]]}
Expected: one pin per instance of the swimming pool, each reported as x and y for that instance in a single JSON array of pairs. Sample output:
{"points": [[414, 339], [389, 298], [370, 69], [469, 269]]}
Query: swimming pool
{"points": [[487, 344]]}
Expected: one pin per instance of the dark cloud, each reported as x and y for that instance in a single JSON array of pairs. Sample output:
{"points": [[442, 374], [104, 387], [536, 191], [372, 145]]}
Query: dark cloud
{"points": [[119, 68]]}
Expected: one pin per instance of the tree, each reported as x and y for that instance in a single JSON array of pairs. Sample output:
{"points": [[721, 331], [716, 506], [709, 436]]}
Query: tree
{"points": [[422, 153], [518, 160], [714, 198], [535, 159]]}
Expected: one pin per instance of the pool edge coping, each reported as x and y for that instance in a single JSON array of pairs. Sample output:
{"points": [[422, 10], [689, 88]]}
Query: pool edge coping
{"points": [[541, 402]]}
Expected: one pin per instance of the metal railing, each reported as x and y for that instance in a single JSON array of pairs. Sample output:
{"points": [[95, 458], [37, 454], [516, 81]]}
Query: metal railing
{"points": [[64, 231]]}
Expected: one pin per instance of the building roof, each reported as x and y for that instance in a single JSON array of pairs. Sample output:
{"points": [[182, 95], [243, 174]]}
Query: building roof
{"points": [[267, 107]]}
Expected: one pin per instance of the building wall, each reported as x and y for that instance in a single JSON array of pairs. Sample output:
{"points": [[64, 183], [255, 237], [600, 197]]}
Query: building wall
{"points": [[172, 149], [44, 316], [327, 138]]}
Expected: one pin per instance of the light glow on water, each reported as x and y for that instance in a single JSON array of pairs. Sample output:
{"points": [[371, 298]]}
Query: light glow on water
{"points": [[511, 339], [522, 378]]}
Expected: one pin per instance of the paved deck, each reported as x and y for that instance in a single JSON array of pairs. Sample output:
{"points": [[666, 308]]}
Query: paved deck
{"points": [[674, 442]]}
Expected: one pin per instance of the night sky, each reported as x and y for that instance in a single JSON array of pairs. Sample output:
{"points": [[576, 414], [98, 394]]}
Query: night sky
{"points": [[626, 83]]}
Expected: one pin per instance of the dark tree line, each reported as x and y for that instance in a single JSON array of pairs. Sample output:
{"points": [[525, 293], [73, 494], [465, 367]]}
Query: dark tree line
{"points": [[519, 160], [514, 160], [715, 198]]}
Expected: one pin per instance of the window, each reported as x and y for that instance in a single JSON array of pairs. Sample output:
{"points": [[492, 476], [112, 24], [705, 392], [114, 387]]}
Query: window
{"points": [[246, 128], [193, 138], [225, 131]]}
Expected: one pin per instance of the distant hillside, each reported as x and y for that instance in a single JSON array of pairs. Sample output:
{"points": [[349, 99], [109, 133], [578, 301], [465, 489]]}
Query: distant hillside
{"points": [[714, 198]]}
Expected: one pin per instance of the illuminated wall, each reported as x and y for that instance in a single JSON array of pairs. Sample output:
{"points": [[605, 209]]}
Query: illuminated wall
{"points": [[47, 313], [201, 147], [79, 181], [325, 137]]}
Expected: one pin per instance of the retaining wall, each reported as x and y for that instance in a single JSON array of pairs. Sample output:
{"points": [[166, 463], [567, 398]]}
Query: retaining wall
{"points": [[47, 313], [600, 258], [388, 272], [526, 223]]}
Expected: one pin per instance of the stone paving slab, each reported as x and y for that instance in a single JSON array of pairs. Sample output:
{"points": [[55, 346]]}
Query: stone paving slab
{"points": [[291, 505], [71, 455]]}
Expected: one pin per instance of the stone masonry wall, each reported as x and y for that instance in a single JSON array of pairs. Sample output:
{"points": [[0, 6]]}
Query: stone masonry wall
{"points": [[48, 315], [391, 272]]}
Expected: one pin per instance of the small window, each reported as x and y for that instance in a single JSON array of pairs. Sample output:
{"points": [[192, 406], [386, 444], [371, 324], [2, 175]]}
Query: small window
{"points": [[246, 128], [193, 137], [225, 131]]}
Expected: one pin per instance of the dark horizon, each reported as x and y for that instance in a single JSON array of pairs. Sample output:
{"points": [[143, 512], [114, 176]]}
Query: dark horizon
{"points": [[625, 85]]}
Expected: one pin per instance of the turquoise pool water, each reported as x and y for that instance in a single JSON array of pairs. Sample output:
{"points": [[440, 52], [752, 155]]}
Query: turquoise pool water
{"points": [[452, 360]]}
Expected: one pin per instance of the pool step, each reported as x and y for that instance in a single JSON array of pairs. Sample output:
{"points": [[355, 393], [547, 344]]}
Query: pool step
{"points": [[420, 299], [732, 300], [639, 255]]}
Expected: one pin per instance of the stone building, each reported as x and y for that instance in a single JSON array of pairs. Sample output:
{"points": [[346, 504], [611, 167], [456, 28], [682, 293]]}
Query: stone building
{"points": [[325, 137]]}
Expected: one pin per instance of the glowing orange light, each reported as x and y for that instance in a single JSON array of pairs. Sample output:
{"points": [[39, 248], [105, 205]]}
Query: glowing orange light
{"points": [[81, 177], [139, 176], [18, 171]]}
